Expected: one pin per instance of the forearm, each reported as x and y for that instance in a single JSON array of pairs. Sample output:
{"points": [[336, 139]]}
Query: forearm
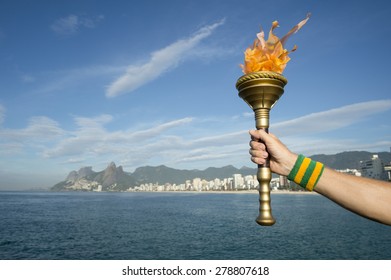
{"points": [[366, 197]]}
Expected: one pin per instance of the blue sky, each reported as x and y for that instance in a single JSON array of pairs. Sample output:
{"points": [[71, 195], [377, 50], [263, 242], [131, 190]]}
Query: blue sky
{"points": [[84, 83]]}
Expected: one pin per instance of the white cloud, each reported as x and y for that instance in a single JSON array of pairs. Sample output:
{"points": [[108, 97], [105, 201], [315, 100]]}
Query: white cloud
{"points": [[328, 145], [73, 23], [300, 134], [2, 114], [183, 143], [222, 155], [92, 138], [95, 122], [221, 140], [62, 79], [160, 62], [39, 129], [67, 25], [74, 160], [331, 119], [10, 148]]}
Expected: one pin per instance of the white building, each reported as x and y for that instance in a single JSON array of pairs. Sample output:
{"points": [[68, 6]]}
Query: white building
{"points": [[197, 184], [251, 182], [238, 182], [354, 172], [372, 168], [275, 183], [387, 169]]}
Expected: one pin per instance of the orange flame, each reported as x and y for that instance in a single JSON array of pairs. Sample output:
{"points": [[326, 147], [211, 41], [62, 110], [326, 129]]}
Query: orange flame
{"points": [[269, 55]]}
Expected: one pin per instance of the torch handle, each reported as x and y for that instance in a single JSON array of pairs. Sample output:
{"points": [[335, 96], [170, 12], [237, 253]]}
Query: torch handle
{"points": [[264, 176]]}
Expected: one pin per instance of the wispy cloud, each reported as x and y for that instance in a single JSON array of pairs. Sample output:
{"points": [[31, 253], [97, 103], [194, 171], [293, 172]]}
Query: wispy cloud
{"points": [[331, 145], [92, 138], [300, 134], [2, 114], [161, 61], [129, 77], [72, 24], [173, 143], [331, 119], [52, 81], [39, 129]]}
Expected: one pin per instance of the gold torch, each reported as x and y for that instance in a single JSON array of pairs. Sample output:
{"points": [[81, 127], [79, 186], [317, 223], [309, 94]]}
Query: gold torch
{"points": [[261, 87], [261, 90]]}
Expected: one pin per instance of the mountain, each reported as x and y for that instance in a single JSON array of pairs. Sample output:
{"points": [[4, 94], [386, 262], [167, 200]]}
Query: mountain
{"points": [[114, 178], [84, 172], [163, 174], [350, 160]]}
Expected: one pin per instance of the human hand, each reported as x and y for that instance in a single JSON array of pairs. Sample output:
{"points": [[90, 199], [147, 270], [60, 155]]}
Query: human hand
{"points": [[263, 144]]}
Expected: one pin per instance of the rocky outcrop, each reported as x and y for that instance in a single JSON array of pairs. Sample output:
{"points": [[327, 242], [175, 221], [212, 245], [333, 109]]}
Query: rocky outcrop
{"points": [[113, 178], [84, 172]]}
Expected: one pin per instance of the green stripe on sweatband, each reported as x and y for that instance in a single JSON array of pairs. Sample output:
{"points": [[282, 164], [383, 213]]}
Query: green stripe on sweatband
{"points": [[296, 167], [306, 172]]}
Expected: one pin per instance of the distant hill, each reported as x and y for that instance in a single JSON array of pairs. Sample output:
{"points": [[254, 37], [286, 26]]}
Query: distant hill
{"points": [[114, 178], [350, 160], [163, 174]]}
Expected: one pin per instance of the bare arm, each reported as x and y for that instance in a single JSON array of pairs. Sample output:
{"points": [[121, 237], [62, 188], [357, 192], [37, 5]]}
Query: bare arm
{"points": [[366, 197]]}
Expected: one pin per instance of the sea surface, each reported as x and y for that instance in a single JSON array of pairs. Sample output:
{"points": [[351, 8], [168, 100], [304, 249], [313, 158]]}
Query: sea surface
{"points": [[185, 226]]}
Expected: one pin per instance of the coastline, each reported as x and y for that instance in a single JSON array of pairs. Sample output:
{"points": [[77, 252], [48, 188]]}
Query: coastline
{"points": [[279, 192]]}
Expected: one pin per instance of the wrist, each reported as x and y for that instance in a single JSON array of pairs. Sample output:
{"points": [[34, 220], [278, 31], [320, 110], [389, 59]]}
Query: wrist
{"points": [[289, 164]]}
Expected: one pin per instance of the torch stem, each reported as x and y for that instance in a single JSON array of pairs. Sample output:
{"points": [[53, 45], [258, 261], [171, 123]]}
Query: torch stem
{"points": [[265, 217]]}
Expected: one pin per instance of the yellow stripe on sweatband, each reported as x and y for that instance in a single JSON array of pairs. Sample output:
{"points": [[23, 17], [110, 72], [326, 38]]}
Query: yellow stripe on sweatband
{"points": [[302, 169], [315, 176]]}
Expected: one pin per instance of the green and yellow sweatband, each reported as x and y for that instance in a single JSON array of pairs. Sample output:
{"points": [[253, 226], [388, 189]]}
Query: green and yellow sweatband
{"points": [[306, 172]]}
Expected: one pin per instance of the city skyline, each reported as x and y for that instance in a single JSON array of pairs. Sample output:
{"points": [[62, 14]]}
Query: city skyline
{"points": [[168, 179], [153, 83]]}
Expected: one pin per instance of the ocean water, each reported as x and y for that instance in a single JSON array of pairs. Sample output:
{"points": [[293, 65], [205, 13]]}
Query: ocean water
{"points": [[186, 226]]}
